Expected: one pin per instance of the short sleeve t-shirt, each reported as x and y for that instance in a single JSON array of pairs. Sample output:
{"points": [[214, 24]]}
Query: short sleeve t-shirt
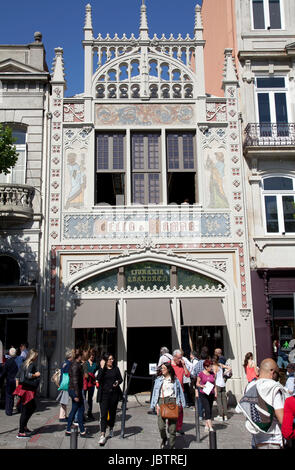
{"points": [[206, 378], [274, 436]]}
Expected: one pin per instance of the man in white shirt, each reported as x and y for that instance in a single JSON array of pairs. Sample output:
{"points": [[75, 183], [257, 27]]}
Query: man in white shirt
{"points": [[164, 356], [274, 395]]}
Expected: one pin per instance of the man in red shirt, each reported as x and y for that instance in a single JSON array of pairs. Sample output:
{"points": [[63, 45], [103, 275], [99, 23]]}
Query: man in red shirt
{"points": [[180, 369]]}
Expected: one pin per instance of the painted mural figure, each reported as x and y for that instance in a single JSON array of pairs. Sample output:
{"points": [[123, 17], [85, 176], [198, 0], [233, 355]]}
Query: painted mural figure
{"points": [[77, 181], [218, 198]]}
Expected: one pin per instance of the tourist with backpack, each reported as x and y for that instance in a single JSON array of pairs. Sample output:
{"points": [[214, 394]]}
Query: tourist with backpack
{"points": [[263, 406]]}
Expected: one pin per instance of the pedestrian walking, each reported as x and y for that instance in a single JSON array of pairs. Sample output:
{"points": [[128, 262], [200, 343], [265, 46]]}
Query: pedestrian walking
{"points": [[165, 356], [207, 391], [75, 392], [108, 394], [198, 367], [167, 390], [218, 369], [187, 384], [90, 367], [9, 372], [29, 379], [24, 350], [269, 397], [250, 367], [63, 397], [181, 370], [220, 356]]}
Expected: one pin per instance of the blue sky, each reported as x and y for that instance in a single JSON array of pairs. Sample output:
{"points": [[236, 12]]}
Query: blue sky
{"points": [[61, 22]]}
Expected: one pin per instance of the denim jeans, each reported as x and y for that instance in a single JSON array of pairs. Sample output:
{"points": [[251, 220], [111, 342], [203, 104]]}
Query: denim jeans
{"points": [[77, 407]]}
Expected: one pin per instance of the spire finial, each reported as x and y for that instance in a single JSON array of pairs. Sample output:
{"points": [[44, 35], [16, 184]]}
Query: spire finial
{"points": [[88, 32], [144, 30], [230, 72], [198, 30]]}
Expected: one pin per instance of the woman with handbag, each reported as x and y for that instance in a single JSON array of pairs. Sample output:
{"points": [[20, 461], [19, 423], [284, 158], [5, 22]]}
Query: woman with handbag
{"points": [[167, 398], [29, 379], [109, 392], [63, 397]]}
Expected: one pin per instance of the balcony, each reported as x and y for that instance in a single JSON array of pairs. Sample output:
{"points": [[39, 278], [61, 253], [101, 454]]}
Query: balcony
{"points": [[270, 138], [16, 204]]}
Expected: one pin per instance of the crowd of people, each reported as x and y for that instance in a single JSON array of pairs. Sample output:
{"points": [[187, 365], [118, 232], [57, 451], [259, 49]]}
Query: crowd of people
{"points": [[268, 406]]}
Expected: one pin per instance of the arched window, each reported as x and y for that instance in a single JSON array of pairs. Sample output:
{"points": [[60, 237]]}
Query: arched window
{"points": [[9, 271], [279, 204], [17, 173]]}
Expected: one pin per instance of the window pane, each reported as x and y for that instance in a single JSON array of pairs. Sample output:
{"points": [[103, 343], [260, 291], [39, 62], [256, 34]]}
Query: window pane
{"points": [[172, 151], [188, 151], [153, 151], [278, 183], [20, 136], [289, 213], [138, 152], [118, 152], [275, 14], [138, 188], [264, 114], [270, 82], [154, 188], [271, 212], [17, 174], [102, 152], [258, 14]]}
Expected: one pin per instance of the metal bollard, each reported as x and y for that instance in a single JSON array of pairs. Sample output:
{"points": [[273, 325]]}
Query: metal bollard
{"points": [[197, 420], [74, 437], [212, 440]]}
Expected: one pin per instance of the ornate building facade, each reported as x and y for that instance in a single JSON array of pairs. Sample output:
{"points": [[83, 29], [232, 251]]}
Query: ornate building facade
{"points": [[147, 230]]}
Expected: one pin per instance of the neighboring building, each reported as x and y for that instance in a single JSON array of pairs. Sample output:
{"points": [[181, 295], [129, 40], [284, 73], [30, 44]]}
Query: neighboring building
{"points": [[261, 32], [24, 97], [147, 237]]}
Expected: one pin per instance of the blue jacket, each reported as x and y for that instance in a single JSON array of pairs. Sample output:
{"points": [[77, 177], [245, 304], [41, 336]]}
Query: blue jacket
{"points": [[180, 400]]}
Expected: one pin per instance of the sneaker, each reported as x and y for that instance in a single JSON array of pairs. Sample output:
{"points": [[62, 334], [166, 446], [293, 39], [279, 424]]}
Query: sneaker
{"points": [[164, 443], [75, 423], [63, 420], [102, 441], [83, 434], [111, 433], [180, 432], [23, 435], [68, 433], [225, 418], [218, 418]]}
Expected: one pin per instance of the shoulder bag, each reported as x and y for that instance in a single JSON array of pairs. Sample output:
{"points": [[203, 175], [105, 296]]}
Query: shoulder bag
{"points": [[169, 410]]}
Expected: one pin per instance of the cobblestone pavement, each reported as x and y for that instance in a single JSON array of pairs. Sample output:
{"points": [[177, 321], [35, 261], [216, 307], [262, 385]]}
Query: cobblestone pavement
{"points": [[141, 430]]}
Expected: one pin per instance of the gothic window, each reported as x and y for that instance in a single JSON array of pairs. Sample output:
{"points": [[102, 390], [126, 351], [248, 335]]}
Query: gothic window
{"points": [[279, 204], [181, 167], [9, 271], [146, 168], [110, 168], [266, 14]]}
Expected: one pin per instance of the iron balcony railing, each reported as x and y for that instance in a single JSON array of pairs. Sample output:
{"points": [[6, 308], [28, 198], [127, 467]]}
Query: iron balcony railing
{"points": [[269, 134]]}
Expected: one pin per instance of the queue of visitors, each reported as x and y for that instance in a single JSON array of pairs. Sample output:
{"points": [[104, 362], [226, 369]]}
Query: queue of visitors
{"points": [[268, 406]]}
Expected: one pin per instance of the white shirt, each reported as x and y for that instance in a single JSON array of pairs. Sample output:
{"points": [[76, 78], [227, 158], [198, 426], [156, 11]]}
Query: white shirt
{"points": [[219, 378], [164, 358], [274, 435], [167, 388]]}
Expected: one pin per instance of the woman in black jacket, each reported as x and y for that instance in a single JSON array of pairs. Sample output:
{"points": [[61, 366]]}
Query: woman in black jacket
{"points": [[109, 392], [75, 391], [29, 379]]}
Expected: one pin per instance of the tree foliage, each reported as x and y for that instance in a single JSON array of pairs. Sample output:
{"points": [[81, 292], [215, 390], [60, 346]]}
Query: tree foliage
{"points": [[8, 153]]}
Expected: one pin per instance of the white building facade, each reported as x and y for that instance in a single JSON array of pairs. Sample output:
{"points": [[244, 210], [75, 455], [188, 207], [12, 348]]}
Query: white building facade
{"points": [[147, 230]]}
